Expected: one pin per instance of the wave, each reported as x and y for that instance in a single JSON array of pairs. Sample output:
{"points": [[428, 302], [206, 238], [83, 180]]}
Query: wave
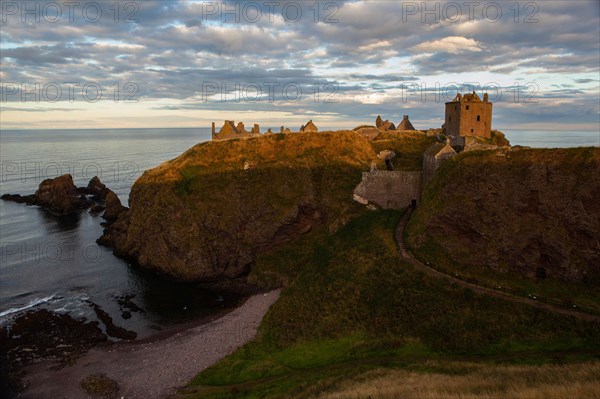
{"points": [[29, 305]]}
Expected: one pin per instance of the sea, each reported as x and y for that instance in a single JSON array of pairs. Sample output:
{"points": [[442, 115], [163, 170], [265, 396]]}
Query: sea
{"points": [[53, 262]]}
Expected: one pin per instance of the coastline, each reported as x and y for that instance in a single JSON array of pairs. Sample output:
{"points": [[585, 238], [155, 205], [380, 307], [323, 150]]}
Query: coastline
{"points": [[157, 366]]}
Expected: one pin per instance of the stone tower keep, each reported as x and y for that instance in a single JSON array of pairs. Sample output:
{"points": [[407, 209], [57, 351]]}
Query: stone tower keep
{"points": [[468, 115]]}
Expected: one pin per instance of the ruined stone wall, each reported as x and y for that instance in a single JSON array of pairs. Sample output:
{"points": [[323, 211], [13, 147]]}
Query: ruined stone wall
{"points": [[389, 189], [435, 156], [430, 165]]}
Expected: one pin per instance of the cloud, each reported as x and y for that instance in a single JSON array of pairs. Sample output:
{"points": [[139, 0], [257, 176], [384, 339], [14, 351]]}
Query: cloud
{"points": [[450, 44], [175, 48]]}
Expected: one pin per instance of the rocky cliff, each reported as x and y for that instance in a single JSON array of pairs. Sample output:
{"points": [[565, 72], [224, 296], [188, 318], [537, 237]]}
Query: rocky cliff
{"points": [[205, 215], [525, 212]]}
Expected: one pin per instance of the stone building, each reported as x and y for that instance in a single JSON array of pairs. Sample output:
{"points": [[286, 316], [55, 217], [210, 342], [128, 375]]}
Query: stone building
{"points": [[384, 125], [309, 127], [405, 124], [230, 131], [468, 115], [434, 157], [389, 189]]}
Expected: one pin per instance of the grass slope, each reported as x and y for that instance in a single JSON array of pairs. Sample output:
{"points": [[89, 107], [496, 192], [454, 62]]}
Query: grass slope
{"points": [[352, 305], [436, 380], [500, 218]]}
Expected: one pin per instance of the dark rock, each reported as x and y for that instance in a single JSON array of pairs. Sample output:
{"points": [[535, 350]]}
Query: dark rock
{"points": [[100, 385], [115, 235], [43, 335], [126, 302], [60, 195], [111, 329], [21, 199], [96, 209], [308, 217], [113, 207], [96, 188]]}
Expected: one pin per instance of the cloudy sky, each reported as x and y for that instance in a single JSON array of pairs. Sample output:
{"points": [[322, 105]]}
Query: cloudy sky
{"points": [[140, 64]]}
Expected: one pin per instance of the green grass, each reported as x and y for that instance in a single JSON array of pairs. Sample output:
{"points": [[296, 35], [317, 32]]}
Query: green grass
{"points": [[567, 183], [498, 138], [351, 304], [409, 148]]}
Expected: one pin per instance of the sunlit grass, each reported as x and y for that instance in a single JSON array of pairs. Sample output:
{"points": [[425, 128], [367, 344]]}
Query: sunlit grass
{"points": [[472, 381]]}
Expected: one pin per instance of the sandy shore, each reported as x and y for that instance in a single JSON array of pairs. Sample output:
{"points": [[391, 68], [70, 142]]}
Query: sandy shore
{"points": [[154, 368]]}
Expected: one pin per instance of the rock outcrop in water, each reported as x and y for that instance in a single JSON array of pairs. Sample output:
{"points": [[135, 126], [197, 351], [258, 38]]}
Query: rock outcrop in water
{"points": [[113, 207], [58, 195], [96, 188]]}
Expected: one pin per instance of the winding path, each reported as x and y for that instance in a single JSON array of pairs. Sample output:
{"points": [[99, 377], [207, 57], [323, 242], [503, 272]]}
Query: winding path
{"points": [[477, 287], [154, 369]]}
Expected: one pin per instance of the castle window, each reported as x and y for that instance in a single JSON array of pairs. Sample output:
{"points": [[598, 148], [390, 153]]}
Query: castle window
{"points": [[456, 107], [478, 118], [449, 119], [471, 130], [467, 107]]}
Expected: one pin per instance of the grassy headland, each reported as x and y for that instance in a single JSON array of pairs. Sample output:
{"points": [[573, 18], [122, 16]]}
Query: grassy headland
{"points": [[208, 213]]}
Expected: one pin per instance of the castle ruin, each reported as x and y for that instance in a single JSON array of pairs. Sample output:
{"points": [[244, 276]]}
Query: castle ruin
{"points": [[387, 125], [230, 131], [405, 124], [309, 127], [468, 115]]}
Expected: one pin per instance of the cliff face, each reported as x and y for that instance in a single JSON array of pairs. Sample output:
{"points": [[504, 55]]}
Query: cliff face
{"points": [[526, 212], [205, 215]]}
